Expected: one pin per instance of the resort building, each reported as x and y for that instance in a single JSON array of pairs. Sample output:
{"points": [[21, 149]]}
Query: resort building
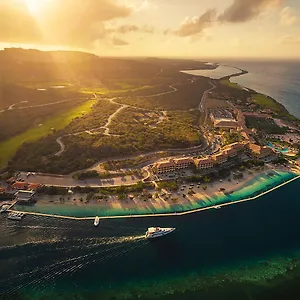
{"points": [[231, 152], [25, 197], [183, 163], [259, 151], [205, 163], [223, 118], [220, 158], [173, 164], [225, 124], [165, 166]]}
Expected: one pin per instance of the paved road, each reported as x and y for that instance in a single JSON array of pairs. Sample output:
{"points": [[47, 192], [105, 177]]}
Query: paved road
{"points": [[204, 97], [68, 181]]}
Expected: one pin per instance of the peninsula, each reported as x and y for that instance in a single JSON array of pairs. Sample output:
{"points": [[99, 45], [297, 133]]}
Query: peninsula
{"points": [[146, 140]]}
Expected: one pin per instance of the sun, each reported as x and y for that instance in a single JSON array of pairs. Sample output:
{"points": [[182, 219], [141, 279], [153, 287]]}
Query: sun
{"points": [[35, 6]]}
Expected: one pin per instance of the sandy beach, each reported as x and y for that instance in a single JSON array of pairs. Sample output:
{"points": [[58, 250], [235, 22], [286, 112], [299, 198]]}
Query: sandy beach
{"points": [[163, 201]]}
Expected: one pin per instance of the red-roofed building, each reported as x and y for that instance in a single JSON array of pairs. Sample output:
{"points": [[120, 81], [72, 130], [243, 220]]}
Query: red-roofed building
{"points": [[19, 185], [33, 186]]}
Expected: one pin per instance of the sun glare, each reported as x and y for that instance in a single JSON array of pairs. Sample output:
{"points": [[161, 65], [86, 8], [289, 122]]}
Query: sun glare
{"points": [[35, 6]]}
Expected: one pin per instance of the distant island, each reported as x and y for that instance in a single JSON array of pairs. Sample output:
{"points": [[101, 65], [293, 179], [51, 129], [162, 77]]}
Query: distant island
{"points": [[125, 133]]}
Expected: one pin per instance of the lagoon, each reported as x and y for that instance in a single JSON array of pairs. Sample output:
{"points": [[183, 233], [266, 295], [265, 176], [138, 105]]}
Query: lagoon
{"points": [[219, 72]]}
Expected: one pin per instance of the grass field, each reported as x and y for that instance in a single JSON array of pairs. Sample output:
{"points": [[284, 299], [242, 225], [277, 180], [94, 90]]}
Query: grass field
{"points": [[45, 84], [103, 90], [227, 82], [9, 147], [266, 102]]}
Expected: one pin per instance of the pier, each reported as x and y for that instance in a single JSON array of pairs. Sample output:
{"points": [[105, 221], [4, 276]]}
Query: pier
{"points": [[156, 214]]}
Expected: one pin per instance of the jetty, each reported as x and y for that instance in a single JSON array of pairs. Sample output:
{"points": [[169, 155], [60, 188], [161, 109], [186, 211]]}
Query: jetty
{"points": [[156, 214]]}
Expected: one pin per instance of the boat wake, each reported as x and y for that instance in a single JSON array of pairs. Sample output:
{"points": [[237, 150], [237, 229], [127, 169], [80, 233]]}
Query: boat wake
{"points": [[71, 256]]}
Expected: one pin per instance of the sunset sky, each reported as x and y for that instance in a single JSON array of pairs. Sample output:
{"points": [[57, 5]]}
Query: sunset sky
{"points": [[185, 28]]}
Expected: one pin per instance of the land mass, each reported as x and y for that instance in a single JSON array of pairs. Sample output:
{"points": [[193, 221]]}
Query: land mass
{"points": [[132, 126]]}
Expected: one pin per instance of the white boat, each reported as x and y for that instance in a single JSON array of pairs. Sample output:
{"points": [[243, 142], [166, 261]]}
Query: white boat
{"points": [[155, 232], [96, 221], [15, 216], [217, 206]]}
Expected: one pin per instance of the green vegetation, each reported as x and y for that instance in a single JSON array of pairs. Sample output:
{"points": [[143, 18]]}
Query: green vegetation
{"points": [[52, 190], [171, 185], [31, 117], [9, 147], [267, 102], [105, 90], [139, 187], [94, 174], [228, 83], [83, 150], [97, 117], [86, 175], [232, 137], [186, 97], [266, 125], [114, 165]]}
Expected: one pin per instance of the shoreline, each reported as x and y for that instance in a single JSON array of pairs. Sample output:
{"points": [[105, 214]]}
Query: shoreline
{"points": [[129, 214]]}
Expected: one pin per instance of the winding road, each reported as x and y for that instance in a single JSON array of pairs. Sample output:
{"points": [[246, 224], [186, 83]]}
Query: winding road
{"points": [[123, 106]]}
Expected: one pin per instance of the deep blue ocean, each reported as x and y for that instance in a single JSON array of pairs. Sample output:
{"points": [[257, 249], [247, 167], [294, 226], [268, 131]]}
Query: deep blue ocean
{"points": [[245, 251], [279, 79]]}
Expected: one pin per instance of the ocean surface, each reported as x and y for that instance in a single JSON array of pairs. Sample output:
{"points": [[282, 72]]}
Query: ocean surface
{"points": [[278, 79], [246, 251]]}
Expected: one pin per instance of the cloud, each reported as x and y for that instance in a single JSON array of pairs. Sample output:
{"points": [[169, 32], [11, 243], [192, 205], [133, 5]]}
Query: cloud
{"points": [[246, 10], [195, 25], [134, 28], [16, 23], [290, 40], [64, 22], [288, 17], [119, 42], [239, 11]]}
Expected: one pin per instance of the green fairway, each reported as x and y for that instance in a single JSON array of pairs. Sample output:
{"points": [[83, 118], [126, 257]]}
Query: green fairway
{"points": [[104, 90], [9, 147], [227, 82], [267, 102]]}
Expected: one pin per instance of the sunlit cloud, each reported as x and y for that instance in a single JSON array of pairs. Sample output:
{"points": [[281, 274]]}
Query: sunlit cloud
{"points": [[195, 25], [288, 17], [246, 10]]}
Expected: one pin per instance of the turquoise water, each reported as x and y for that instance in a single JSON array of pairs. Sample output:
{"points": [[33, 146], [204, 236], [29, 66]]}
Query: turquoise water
{"points": [[285, 150], [252, 188], [246, 251]]}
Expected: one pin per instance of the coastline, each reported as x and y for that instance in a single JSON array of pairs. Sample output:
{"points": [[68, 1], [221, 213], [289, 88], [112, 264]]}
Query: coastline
{"points": [[117, 209], [252, 187]]}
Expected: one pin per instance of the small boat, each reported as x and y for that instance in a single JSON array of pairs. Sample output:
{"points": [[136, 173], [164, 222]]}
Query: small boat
{"points": [[15, 216], [217, 206], [96, 221], [155, 232]]}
